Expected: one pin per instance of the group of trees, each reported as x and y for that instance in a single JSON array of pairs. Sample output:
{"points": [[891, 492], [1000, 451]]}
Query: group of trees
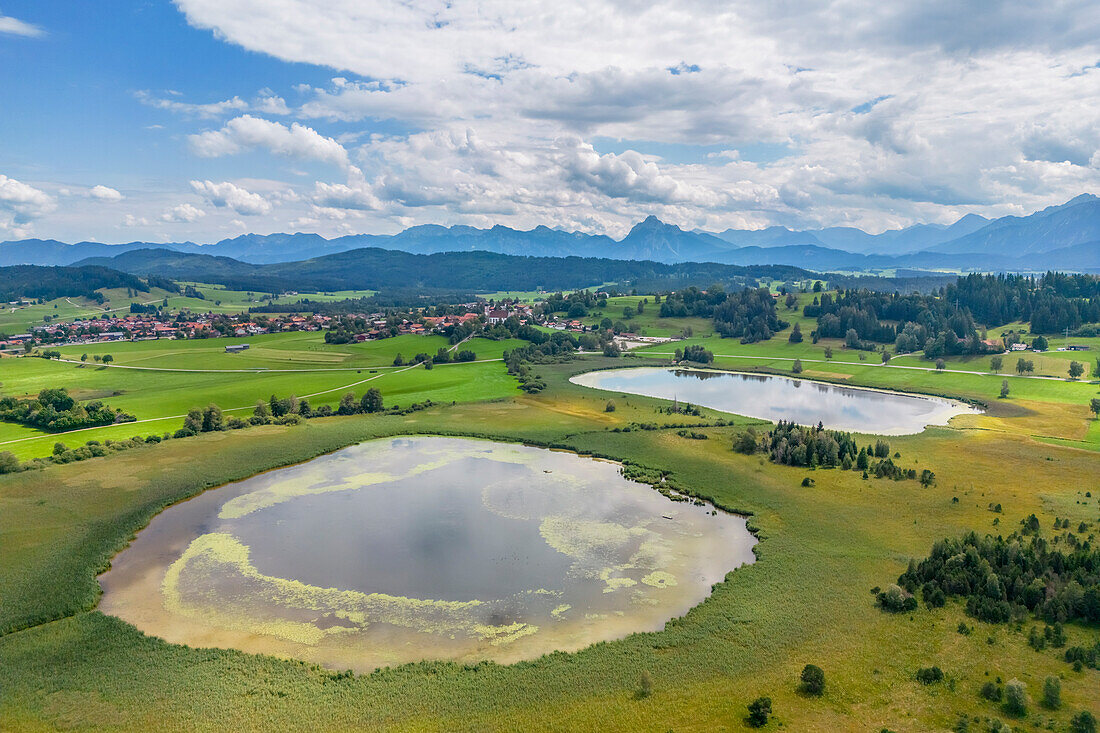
{"points": [[863, 318], [55, 410], [1050, 303], [749, 315], [574, 305], [1002, 577], [442, 356], [695, 353], [47, 283], [557, 347], [279, 410], [798, 445], [692, 301], [945, 323]]}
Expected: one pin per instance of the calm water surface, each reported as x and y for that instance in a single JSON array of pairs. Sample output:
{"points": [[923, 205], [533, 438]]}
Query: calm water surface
{"points": [[403, 549], [783, 398]]}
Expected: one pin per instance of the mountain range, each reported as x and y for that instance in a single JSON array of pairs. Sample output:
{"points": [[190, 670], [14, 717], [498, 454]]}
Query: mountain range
{"points": [[1064, 237]]}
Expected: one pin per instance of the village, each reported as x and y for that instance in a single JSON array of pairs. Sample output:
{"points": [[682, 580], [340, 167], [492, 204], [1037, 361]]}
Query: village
{"points": [[185, 324]]}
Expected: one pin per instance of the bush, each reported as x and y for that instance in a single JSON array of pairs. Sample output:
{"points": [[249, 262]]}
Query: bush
{"points": [[1052, 693], [645, 685], [992, 691], [796, 368], [8, 462], [1083, 722], [760, 710], [813, 680], [698, 354], [929, 675], [371, 401], [1016, 697], [896, 599], [610, 406]]}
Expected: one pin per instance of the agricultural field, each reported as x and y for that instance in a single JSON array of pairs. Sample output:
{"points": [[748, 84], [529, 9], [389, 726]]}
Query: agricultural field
{"points": [[159, 381]]}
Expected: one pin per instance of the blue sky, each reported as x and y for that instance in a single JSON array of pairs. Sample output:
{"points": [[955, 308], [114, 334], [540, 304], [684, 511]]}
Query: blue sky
{"points": [[204, 119]]}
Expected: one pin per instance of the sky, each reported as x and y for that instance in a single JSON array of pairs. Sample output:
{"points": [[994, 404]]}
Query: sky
{"points": [[199, 120]]}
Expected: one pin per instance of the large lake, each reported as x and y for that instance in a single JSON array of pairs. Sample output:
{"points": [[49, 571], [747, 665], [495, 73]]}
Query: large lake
{"points": [[783, 398], [415, 548]]}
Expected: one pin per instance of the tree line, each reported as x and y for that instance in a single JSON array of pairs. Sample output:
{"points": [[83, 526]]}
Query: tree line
{"points": [[791, 444], [54, 410], [1002, 578]]}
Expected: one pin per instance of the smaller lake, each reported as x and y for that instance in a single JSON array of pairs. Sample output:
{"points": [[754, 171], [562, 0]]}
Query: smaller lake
{"points": [[783, 398], [403, 549]]}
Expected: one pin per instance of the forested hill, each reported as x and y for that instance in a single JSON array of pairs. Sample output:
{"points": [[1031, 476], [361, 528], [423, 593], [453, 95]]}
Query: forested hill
{"points": [[376, 269], [47, 283]]}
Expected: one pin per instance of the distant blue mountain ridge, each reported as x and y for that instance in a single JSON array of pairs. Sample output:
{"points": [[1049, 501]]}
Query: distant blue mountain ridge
{"points": [[1065, 237]]}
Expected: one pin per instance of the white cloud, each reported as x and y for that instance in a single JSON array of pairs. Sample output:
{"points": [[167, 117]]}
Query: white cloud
{"points": [[227, 195], [182, 214], [135, 221], [340, 196], [16, 27], [267, 102], [848, 112], [104, 193], [207, 110], [247, 132], [20, 205]]}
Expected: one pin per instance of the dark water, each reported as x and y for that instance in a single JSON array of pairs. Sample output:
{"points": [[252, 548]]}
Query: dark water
{"points": [[782, 398], [428, 536], [410, 548]]}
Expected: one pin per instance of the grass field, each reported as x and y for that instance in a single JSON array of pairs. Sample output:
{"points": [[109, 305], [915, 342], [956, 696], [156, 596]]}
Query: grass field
{"points": [[806, 600], [158, 381]]}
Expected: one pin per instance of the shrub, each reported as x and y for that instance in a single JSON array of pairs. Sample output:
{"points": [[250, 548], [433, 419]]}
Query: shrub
{"points": [[610, 406], [813, 680], [8, 462], [1052, 693], [371, 401], [896, 599], [645, 685], [929, 675], [760, 710], [1083, 722], [992, 691], [1016, 697], [797, 366]]}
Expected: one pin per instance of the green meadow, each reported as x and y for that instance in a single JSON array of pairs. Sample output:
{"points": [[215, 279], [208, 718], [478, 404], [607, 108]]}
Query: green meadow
{"points": [[169, 377], [807, 599]]}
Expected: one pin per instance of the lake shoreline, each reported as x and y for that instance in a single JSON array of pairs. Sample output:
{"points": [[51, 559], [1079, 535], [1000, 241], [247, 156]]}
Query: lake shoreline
{"points": [[939, 418]]}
